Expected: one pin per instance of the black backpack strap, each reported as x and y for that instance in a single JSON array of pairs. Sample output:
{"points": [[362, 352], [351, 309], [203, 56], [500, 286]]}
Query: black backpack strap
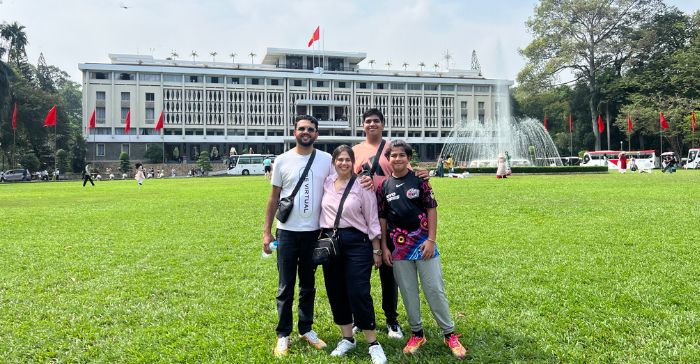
{"points": [[342, 201], [378, 155], [303, 175]]}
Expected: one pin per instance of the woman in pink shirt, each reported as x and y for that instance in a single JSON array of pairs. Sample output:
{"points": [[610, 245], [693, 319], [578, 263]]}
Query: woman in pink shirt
{"points": [[347, 277]]}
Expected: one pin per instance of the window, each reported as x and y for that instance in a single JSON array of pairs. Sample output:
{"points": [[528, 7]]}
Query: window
{"points": [[126, 96], [379, 86], [481, 89], [100, 150], [415, 86], [463, 88], [126, 76], [213, 79], [253, 81], [274, 82], [150, 114], [149, 77], [320, 83], [100, 75], [362, 85], [100, 114], [298, 83], [482, 112], [234, 80], [194, 79], [100, 96], [172, 78], [447, 87], [398, 86], [342, 84], [125, 148], [150, 96], [125, 110], [429, 87], [464, 110], [294, 62]]}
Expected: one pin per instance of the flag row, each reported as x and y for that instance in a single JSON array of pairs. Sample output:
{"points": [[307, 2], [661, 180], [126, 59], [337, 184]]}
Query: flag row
{"points": [[630, 126]]}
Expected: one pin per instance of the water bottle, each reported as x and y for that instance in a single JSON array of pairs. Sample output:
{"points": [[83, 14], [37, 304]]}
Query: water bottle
{"points": [[273, 247]]}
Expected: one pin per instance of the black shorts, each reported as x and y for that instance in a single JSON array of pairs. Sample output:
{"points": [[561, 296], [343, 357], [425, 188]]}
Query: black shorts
{"points": [[268, 169]]}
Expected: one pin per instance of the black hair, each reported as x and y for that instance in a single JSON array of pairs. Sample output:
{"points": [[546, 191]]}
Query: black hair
{"points": [[305, 117], [398, 143], [373, 111], [343, 148], [138, 165]]}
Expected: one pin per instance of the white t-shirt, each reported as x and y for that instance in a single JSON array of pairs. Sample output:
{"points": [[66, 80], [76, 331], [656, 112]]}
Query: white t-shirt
{"points": [[307, 203]]}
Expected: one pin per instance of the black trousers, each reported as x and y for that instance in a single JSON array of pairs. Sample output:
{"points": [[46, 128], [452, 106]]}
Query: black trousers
{"points": [[294, 250], [347, 280], [87, 177]]}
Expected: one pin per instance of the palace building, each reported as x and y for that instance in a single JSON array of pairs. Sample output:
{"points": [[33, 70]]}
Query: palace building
{"points": [[219, 106]]}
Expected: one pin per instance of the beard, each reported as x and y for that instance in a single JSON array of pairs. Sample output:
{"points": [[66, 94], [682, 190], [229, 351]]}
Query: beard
{"points": [[300, 141]]}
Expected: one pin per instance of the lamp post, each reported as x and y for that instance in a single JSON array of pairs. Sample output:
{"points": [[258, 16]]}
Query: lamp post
{"points": [[621, 145]]}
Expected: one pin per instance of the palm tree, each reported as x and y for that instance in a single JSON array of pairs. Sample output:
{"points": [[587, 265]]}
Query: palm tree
{"points": [[252, 57], [17, 39], [388, 65], [421, 64], [371, 63], [194, 56], [233, 57], [174, 54], [436, 65], [405, 65], [213, 56]]}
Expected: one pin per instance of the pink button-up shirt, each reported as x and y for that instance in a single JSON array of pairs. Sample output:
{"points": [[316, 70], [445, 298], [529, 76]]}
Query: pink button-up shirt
{"points": [[359, 210]]}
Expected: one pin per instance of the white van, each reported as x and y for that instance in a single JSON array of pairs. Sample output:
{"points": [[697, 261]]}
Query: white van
{"points": [[246, 164], [693, 159]]}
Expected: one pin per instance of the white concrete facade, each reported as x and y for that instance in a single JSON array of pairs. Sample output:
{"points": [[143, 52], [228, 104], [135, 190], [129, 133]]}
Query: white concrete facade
{"points": [[238, 105]]}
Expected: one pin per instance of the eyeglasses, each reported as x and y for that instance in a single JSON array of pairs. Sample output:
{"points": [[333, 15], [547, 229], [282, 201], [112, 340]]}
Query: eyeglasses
{"points": [[375, 121], [310, 129]]}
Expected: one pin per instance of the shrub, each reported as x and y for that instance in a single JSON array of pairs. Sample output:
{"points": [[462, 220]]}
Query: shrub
{"points": [[124, 163], [154, 153], [562, 169], [203, 161], [62, 160]]}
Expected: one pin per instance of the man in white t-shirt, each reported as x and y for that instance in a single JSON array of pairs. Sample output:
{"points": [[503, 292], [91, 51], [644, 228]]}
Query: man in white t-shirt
{"points": [[296, 236]]}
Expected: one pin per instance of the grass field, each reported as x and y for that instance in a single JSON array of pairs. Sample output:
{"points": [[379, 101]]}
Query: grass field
{"points": [[569, 268]]}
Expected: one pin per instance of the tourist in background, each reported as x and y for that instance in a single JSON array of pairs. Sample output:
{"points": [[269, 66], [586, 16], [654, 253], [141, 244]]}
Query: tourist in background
{"points": [[622, 162], [140, 174], [87, 176], [501, 167], [347, 276]]}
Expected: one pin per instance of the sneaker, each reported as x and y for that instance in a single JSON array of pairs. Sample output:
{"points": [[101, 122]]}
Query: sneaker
{"points": [[458, 350], [343, 347], [377, 354], [413, 344], [282, 347], [355, 330], [394, 331], [312, 338]]}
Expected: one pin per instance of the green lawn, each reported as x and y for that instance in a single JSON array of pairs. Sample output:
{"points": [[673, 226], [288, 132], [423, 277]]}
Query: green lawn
{"points": [[571, 268]]}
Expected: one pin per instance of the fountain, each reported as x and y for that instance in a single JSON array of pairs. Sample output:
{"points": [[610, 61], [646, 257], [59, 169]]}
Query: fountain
{"points": [[474, 143]]}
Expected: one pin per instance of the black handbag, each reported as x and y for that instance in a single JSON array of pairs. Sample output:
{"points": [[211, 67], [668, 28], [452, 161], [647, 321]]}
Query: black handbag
{"points": [[326, 246], [286, 204]]}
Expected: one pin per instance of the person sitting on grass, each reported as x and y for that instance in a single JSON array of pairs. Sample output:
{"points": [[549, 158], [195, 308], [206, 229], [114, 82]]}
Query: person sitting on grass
{"points": [[408, 216]]}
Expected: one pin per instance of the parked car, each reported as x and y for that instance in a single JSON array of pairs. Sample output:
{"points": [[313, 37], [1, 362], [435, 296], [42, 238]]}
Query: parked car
{"points": [[15, 175]]}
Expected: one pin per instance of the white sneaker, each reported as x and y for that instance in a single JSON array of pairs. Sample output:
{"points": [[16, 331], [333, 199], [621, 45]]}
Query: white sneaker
{"points": [[394, 332], [377, 354], [282, 347], [343, 347], [312, 338]]}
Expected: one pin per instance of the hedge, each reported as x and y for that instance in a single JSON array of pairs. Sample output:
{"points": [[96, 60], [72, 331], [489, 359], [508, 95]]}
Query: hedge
{"points": [[540, 169]]}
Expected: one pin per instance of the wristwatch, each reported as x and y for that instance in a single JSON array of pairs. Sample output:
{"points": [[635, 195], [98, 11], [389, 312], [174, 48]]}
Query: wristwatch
{"points": [[377, 252]]}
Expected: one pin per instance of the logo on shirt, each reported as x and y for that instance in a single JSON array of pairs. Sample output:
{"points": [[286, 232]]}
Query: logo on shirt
{"points": [[392, 196], [400, 184], [413, 193], [306, 195]]}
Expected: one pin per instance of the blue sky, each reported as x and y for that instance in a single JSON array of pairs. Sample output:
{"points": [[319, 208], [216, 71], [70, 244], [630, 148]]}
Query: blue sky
{"points": [[69, 32]]}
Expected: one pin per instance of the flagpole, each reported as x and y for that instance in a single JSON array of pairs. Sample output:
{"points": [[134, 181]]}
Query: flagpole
{"points": [[14, 146]]}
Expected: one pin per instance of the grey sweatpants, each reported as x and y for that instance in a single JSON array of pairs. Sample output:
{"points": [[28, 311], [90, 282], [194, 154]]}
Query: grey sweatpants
{"points": [[406, 273]]}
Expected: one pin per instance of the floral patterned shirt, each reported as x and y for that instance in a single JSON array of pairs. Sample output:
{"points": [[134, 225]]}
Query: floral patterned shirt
{"points": [[404, 203]]}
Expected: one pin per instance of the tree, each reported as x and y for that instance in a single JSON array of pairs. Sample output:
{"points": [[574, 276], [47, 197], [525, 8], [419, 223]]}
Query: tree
{"points": [[78, 152], [30, 161], [17, 39], [124, 164], [154, 153], [584, 37], [62, 160], [203, 161]]}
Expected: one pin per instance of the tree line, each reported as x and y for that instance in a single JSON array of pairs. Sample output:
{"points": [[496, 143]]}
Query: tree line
{"points": [[34, 90], [616, 59]]}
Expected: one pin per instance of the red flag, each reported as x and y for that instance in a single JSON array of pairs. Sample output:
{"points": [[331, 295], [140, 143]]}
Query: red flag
{"points": [[127, 127], [51, 117], [14, 117], [629, 123], [545, 121], [571, 124], [662, 120], [692, 122], [159, 124], [316, 36], [91, 125], [601, 126]]}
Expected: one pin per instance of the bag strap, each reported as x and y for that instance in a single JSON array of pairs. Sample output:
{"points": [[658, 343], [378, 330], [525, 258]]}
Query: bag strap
{"points": [[375, 164], [303, 175], [342, 201]]}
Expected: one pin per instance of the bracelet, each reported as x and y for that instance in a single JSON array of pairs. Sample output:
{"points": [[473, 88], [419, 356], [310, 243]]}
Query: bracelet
{"points": [[434, 242]]}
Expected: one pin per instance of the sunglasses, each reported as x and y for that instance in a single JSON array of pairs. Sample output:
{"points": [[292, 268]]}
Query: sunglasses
{"points": [[310, 129]]}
